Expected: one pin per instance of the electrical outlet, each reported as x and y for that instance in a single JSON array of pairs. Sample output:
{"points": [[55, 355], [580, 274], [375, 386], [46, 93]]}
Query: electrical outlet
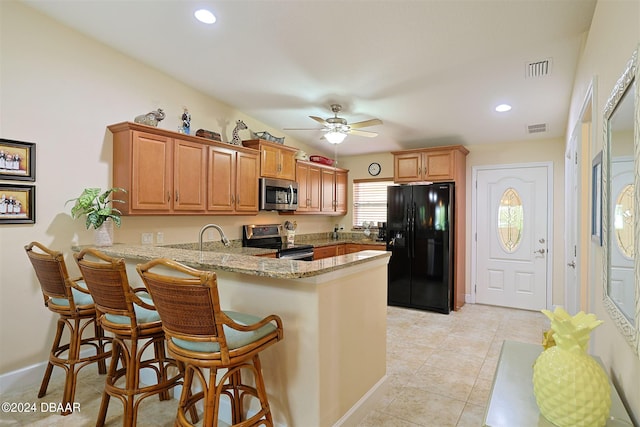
{"points": [[147, 238], [159, 237]]}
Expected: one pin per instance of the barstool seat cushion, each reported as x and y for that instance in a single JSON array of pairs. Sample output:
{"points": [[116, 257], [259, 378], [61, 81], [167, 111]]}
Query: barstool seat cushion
{"points": [[79, 298], [143, 315], [235, 338]]}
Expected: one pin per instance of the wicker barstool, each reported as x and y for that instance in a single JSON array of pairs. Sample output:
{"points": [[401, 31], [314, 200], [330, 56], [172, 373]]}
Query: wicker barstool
{"points": [[204, 337], [71, 301], [129, 315]]}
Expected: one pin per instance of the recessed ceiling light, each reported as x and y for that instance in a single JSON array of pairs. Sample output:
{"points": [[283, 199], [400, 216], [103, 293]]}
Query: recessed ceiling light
{"points": [[204, 15], [502, 108]]}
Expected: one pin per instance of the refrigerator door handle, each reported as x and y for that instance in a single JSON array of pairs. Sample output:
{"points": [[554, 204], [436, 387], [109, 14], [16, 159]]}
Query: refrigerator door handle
{"points": [[413, 230], [407, 231]]}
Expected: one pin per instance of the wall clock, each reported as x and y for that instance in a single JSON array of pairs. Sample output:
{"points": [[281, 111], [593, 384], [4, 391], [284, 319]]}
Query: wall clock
{"points": [[374, 169]]}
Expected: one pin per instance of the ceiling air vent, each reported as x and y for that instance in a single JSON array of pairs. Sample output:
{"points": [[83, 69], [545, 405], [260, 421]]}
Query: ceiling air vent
{"points": [[538, 128], [538, 69]]}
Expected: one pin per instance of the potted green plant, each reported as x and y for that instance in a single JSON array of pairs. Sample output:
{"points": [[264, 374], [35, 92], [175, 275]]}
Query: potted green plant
{"points": [[97, 206]]}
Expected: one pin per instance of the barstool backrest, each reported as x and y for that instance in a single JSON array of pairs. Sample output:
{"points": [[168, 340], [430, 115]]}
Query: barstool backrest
{"points": [[107, 281], [52, 275], [187, 301]]}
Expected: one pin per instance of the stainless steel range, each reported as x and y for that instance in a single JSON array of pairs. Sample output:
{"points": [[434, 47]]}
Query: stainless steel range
{"points": [[268, 236]]}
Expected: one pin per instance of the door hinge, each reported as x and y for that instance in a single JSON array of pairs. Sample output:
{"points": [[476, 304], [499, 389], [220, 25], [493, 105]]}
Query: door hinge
{"points": [[476, 237]]}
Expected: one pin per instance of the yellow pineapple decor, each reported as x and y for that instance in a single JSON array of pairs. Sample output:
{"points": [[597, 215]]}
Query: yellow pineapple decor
{"points": [[571, 388]]}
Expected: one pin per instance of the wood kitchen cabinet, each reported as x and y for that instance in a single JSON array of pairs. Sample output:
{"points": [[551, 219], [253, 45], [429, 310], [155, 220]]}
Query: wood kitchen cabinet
{"points": [[232, 181], [276, 160], [428, 164], [168, 173], [333, 183], [309, 191], [328, 251], [161, 174], [322, 189], [351, 248]]}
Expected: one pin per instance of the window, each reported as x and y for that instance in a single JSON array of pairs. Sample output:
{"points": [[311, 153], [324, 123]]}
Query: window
{"points": [[370, 200]]}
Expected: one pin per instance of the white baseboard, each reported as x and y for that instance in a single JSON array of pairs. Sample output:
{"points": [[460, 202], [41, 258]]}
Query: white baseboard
{"points": [[32, 375], [25, 377], [365, 405]]}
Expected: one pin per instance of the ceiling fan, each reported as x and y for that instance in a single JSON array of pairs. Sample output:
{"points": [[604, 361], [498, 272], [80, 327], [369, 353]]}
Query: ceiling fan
{"points": [[337, 128]]}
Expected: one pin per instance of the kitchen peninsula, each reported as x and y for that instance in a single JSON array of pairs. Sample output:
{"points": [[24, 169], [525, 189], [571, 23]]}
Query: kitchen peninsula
{"points": [[331, 366]]}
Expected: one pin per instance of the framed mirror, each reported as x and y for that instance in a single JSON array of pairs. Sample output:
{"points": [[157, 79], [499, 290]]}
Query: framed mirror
{"points": [[621, 197]]}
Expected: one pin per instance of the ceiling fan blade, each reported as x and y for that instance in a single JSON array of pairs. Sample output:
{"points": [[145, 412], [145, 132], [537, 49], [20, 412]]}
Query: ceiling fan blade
{"points": [[302, 129], [322, 121], [365, 123], [363, 133]]}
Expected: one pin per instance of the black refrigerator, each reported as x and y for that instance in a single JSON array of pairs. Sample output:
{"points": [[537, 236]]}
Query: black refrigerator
{"points": [[420, 238]]}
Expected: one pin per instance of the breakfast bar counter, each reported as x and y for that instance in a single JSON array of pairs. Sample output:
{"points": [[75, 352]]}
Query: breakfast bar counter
{"points": [[330, 369]]}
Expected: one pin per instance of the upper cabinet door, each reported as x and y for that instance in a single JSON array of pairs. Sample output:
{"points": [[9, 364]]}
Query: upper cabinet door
{"points": [[407, 167], [247, 171], [189, 176], [438, 166], [269, 162], [341, 193], [222, 172], [152, 172]]}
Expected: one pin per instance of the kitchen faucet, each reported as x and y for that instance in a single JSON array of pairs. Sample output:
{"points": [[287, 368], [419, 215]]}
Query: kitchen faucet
{"points": [[223, 238]]}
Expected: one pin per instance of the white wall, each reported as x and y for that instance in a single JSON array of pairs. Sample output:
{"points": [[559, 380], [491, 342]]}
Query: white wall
{"points": [[60, 90], [614, 34]]}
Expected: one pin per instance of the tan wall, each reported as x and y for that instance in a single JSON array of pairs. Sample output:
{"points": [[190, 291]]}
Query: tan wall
{"points": [[492, 154], [60, 90], [614, 34]]}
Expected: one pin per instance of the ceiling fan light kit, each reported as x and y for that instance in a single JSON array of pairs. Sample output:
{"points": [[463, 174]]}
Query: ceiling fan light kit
{"points": [[335, 137], [336, 128]]}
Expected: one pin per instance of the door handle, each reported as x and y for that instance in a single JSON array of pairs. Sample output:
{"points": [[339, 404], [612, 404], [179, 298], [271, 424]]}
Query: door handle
{"points": [[572, 264], [540, 251]]}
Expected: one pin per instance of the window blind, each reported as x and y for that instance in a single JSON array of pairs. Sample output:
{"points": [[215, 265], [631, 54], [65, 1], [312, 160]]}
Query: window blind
{"points": [[370, 201]]}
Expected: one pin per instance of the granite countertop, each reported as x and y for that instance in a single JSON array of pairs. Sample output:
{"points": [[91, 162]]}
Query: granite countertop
{"points": [[237, 259]]}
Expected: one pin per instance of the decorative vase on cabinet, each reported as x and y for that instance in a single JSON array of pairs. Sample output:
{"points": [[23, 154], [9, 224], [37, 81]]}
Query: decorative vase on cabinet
{"points": [[570, 386]]}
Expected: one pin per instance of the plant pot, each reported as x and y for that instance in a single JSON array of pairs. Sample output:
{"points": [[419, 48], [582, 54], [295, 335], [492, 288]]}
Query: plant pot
{"points": [[103, 235]]}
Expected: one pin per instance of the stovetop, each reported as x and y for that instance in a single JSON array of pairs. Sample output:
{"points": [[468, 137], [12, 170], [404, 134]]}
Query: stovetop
{"points": [[268, 236]]}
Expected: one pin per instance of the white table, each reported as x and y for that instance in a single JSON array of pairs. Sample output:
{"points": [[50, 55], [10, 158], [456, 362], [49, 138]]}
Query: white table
{"points": [[512, 402]]}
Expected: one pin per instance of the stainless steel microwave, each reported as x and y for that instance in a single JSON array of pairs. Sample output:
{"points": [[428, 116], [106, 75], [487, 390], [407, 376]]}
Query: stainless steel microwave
{"points": [[278, 195]]}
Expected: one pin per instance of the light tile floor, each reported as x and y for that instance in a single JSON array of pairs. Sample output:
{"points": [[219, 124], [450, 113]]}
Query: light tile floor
{"points": [[440, 369]]}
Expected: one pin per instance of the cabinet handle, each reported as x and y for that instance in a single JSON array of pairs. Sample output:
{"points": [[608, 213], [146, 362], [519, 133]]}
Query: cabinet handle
{"points": [[177, 196], [168, 196], [233, 199], [237, 200]]}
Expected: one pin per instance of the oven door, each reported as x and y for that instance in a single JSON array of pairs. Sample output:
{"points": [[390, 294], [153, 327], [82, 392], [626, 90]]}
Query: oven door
{"points": [[278, 195]]}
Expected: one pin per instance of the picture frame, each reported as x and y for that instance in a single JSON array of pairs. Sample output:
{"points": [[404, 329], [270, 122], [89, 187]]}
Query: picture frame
{"points": [[17, 160], [596, 199], [17, 204]]}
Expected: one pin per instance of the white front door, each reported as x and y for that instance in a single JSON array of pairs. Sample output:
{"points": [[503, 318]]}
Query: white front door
{"points": [[512, 214]]}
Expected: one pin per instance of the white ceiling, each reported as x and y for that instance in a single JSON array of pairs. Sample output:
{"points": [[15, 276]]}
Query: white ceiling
{"points": [[431, 70]]}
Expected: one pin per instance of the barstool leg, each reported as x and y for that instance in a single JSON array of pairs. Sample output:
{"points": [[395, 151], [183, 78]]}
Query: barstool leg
{"points": [[113, 367], [54, 348], [99, 334], [262, 390], [158, 346]]}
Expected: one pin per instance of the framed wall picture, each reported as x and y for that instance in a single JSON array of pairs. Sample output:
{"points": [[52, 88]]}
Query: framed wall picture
{"points": [[17, 204], [596, 199], [17, 160]]}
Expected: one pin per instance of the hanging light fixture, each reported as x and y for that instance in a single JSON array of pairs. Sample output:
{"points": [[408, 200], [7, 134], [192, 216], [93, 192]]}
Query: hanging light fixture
{"points": [[335, 137]]}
